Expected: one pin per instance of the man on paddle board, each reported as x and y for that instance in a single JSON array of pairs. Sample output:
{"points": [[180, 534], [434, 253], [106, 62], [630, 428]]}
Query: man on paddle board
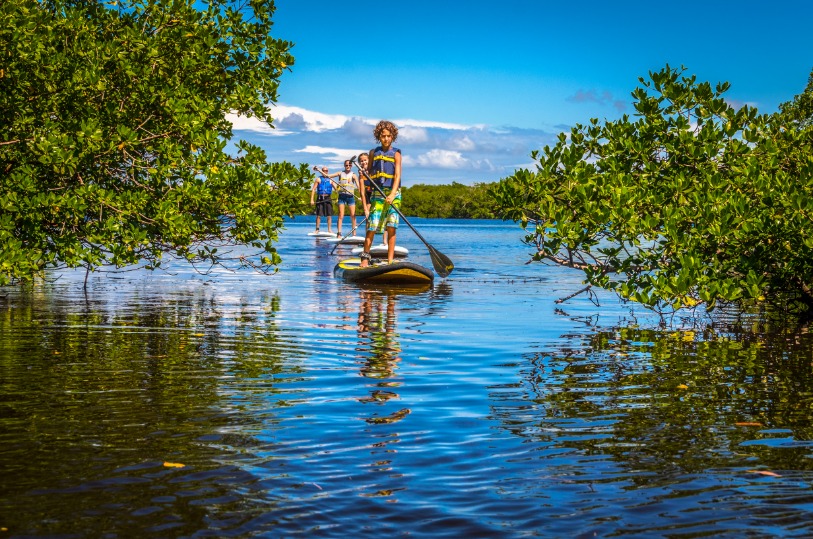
{"points": [[385, 172], [322, 189]]}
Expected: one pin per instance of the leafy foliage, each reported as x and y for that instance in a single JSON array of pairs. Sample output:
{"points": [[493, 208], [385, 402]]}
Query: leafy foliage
{"points": [[692, 202], [113, 133]]}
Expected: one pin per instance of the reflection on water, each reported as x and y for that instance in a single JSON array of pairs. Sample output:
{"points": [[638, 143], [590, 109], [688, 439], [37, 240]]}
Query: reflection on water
{"points": [[300, 405], [378, 341]]}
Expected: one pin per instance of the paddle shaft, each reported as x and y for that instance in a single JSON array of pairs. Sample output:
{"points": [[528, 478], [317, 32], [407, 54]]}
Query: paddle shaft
{"points": [[352, 230]]}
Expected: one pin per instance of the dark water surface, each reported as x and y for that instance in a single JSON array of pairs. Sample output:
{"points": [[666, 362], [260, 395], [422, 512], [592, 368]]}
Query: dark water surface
{"points": [[303, 406]]}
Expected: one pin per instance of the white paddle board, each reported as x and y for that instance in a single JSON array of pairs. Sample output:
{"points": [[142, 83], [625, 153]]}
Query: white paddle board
{"points": [[381, 250], [322, 234], [350, 240]]}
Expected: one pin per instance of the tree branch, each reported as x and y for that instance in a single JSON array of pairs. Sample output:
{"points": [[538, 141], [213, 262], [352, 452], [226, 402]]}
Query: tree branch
{"points": [[574, 294]]}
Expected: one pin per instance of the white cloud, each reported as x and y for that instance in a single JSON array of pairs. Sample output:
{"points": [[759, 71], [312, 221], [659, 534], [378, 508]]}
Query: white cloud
{"points": [[435, 152], [436, 125], [318, 121], [440, 159], [486, 164], [329, 155], [243, 123], [462, 144], [314, 121], [409, 130], [359, 129], [412, 135]]}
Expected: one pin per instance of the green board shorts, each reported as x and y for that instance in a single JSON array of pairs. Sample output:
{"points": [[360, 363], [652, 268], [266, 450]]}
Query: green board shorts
{"points": [[379, 220]]}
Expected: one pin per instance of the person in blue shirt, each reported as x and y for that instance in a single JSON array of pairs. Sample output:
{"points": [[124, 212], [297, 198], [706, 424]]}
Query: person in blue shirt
{"points": [[385, 172], [323, 204]]}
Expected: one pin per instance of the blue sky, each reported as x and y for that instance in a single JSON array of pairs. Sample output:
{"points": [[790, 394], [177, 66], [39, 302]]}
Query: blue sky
{"points": [[474, 86]]}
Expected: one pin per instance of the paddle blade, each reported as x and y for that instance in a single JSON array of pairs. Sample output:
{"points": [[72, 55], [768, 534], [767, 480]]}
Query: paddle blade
{"points": [[442, 264]]}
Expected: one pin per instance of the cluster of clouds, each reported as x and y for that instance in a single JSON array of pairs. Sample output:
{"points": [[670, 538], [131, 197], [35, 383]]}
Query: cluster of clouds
{"points": [[432, 152]]}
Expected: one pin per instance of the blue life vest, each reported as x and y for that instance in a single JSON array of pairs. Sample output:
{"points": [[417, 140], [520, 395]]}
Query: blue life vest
{"points": [[325, 187], [383, 167]]}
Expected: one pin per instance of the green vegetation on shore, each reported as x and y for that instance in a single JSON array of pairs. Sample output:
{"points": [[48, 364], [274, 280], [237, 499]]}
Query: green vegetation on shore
{"points": [[455, 201], [447, 201]]}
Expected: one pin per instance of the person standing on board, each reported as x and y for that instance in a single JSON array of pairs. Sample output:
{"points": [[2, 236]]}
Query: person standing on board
{"points": [[366, 186], [385, 172], [322, 189], [348, 184]]}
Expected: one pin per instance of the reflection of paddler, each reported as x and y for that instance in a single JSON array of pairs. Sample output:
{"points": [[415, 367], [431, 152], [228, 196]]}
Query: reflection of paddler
{"points": [[392, 418], [377, 324]]}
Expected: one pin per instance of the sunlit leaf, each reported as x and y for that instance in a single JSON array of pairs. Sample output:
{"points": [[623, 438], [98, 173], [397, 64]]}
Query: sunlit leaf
{"points": [[764, 472]]}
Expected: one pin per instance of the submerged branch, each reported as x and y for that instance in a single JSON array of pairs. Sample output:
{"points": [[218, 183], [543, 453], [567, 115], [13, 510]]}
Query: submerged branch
{"points": [[574, 294]]}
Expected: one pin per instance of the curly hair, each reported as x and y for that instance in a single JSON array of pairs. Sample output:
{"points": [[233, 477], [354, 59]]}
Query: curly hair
{"points": [[385, 124]]}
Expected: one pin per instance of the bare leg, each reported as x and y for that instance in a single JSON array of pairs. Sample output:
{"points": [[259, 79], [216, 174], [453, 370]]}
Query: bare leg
{"points": [[390, 243], [368, 242], [353, 215], [341, 218]]}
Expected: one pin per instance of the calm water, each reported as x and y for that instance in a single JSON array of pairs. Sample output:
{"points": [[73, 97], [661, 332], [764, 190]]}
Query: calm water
{"points": [[302, 406]]}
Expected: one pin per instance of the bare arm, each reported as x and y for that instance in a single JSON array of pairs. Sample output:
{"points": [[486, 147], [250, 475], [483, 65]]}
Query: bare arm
{"points": [[396, 180]]}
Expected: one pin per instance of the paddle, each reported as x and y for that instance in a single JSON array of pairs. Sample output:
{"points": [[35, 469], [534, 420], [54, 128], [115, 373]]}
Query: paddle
{"points": [[442, 264], [352, 230]]}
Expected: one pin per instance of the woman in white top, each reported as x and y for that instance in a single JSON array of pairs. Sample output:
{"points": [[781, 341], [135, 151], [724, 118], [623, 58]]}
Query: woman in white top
{"points": [[347, 185]]}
